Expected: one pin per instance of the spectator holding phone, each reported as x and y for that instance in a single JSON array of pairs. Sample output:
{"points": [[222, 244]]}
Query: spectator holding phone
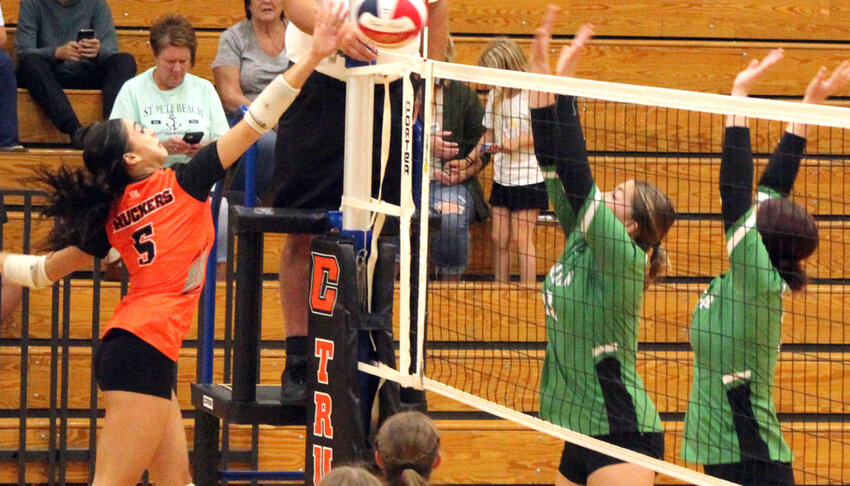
{"points": [[51, 56], [455, 191], [518, 194], [169, 101]]}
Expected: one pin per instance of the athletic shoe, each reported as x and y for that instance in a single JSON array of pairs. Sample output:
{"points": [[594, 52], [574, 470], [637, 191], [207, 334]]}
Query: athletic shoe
{"points": [[13, 148], [293, 380]]}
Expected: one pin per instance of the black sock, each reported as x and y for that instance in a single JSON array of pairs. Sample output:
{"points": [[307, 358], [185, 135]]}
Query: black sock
{"points": [[296, 347]]}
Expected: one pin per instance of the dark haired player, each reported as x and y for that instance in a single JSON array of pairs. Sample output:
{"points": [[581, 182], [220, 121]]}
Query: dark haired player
{"points": [[731, 424]]}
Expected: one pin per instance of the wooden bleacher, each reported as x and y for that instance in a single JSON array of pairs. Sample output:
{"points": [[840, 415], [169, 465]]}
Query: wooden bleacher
{"points": [[696, 47], [718, 65], [817, 317]]}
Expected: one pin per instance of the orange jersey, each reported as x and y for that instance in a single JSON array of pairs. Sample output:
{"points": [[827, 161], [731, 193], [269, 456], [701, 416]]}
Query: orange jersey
{"points": [[164, 234]]}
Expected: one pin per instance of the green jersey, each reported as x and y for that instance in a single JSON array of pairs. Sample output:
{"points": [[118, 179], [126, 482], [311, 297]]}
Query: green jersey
{"points": [[736, 335], [592, 297]]}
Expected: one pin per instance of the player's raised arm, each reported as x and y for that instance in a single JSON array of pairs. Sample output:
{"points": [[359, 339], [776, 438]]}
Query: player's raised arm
{"points": [[270, 104], [748, 77], [736, 163], [781, 170], [567, 60], [820, 88]]}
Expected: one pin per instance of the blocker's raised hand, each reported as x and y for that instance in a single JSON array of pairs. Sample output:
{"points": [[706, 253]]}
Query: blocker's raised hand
{"points": [[746, 79], [570, 54], [822, 87]]}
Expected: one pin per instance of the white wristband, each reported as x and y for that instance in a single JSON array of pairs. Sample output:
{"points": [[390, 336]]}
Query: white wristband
{"points": [[27, 270], [266, 109]]}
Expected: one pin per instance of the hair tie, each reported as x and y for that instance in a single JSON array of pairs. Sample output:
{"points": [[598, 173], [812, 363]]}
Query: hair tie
{"points": [[407, 465], [656, 246]]}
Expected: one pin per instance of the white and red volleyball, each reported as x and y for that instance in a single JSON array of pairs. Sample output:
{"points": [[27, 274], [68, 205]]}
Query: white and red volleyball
{"points": [[392, 23]]}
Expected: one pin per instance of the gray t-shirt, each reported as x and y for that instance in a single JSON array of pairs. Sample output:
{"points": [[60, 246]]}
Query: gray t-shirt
{"points": [[44, 25], [238, 47]]}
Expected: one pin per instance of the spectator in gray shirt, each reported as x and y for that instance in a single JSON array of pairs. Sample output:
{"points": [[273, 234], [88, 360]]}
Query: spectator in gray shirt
{"points": [[52, 55], [250, 54]]}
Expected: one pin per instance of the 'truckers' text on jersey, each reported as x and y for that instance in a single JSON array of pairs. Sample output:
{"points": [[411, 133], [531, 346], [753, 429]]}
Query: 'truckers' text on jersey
{"points": [[139, 211]]}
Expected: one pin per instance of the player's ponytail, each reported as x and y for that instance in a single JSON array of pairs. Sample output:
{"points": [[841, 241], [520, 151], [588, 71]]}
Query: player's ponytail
{"points": [[80, 199], [654, 214], [407, 448], [659, 264], [790, 235]]}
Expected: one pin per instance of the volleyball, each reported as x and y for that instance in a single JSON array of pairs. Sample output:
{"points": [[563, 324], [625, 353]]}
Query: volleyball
{"points": [[391, 23]]}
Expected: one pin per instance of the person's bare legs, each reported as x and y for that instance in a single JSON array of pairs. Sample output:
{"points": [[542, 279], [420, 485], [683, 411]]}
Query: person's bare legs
{"points": [[501, 235], [523, 223], [294, 293], [132, 432], [170, 465], [560, 480], [622, 474], [295, 283]]}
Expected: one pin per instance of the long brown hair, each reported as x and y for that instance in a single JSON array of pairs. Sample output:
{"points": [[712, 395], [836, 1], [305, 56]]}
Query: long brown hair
{"points": [[80, 199], [654, 214], [408, 444], [790, 235]]}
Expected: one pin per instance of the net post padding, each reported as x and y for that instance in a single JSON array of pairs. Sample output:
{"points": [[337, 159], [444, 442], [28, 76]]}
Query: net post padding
{"points": [[335, 429], [359, 99], [344, 406]]}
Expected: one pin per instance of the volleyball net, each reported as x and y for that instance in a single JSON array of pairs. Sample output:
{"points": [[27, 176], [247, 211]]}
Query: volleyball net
{"points": [[482, 337]]}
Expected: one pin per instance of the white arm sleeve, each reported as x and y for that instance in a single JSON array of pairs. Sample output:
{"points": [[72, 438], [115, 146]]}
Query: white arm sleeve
{"points": [[27, 270], [266, 109]]}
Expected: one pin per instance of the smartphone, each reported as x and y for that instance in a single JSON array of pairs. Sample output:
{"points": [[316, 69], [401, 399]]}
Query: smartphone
{"points": [[489, 148], [85, 34], [193, 137]]}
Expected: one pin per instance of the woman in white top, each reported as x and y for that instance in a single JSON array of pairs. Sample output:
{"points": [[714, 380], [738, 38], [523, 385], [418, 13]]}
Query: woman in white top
{"points": [[518, 193]]}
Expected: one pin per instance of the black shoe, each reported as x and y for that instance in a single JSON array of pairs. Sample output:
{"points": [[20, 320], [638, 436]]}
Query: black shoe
{"points": [[412, 400], [293, 380]]}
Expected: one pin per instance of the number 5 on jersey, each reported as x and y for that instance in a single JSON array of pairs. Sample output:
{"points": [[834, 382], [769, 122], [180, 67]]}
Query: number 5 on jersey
{"points": [[145, 246]]}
